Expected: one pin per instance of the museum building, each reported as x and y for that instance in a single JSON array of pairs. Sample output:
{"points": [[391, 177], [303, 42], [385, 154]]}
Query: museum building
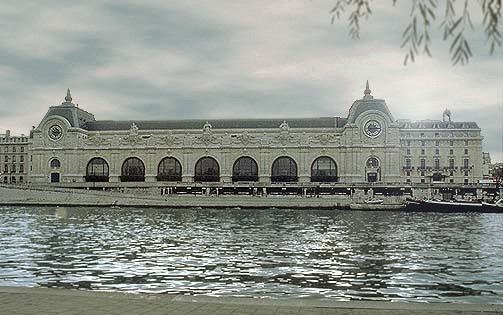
{"points": [[71, 148]]}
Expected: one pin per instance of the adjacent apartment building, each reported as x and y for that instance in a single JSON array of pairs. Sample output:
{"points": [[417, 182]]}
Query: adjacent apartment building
{"points": [[14, 158]]}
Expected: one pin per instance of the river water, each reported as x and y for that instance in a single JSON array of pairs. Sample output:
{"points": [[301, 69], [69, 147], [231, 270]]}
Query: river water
{"points": [[333, 255]]}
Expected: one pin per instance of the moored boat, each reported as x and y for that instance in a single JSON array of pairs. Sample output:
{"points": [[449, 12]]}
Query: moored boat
{"points": [[453, 206]]}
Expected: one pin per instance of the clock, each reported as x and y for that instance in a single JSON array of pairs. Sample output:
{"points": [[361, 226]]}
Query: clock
{"points": [[55, 132], [372, 128]]}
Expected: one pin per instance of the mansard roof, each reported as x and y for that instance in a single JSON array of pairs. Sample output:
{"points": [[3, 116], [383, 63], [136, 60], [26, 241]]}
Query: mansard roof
{"points": [[368, 103], [437, 124], [113, 125], [75, 116]]}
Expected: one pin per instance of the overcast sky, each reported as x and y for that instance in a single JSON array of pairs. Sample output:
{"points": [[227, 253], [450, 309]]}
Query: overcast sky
{"points": [[161, 59]]}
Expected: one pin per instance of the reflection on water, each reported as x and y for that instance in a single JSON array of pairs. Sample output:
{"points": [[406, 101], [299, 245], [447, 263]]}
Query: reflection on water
{"points": [[339, 255]]}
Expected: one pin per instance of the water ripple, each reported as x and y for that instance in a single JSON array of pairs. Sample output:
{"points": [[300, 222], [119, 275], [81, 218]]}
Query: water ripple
{"points": [[338, 255]]}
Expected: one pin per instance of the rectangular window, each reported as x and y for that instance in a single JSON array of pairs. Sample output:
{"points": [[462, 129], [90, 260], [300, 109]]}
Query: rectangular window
{"points": [[437, 143], [21, 168], [436, 134], [13, 149], [408, 151], [21, 158], [6, 159], [423, 163], [466, 162], [451, 152], [22, 149], [6, 168], [407, 163], [423, 143], [13, 158], [466, 151], [451, 163], [408, 143], [437, 164], [437, 151], [13, 168], [466, 143], [422, 152], [451, 143]]}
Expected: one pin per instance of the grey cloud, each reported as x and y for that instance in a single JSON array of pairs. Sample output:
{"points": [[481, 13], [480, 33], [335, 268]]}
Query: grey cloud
{"points": [[142, 99], [30, 71], [173, 29], [91, 51]]}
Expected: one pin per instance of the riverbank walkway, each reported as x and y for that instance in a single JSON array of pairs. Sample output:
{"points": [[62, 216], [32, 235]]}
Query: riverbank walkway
{"points": [[45, 196], [23, 300]]}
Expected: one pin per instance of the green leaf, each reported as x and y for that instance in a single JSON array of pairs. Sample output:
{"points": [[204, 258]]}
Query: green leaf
{"points": [[406, 30], [427, 50], [454, 42], [455, 25], [467, 47]]}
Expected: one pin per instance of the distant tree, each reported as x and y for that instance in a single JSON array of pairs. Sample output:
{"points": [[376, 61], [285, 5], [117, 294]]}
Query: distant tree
{"points": [[416, 36]]}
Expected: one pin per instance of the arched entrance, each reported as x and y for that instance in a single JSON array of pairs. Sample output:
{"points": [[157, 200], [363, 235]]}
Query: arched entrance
{"points": [[324, 170], [245, 169], [169, 169], [207, 170], [97, 170], [133, 170], [284, 169], [372, 170]]}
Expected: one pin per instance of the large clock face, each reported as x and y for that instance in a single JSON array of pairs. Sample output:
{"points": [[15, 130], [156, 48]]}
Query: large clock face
{"points": [[55, 132], [372, 128]]}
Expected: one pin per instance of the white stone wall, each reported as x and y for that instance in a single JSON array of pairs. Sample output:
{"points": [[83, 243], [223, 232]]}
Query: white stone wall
{"points": [[350, 147]]}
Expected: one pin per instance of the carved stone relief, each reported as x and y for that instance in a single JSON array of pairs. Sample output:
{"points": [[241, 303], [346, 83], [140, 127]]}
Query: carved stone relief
{"points": [[132, 140], [97, 140], [245, 139], [169, 139], [325, 138], [207, 137]]}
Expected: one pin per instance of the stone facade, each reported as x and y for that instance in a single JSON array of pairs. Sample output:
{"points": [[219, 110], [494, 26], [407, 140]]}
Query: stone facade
{"points": [[14, 158], [71, 148]]}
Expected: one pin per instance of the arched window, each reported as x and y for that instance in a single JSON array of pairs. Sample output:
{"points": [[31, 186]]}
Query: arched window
{"points": [[284, 169], [97, 170], [55, 163], [245, 169], [324, 169], [207, 170], [169, 169], [373, 174], [133, 170], [372, 162]]}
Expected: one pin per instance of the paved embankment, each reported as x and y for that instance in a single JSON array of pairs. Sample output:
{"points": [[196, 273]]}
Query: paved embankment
{"points": [[40, 196], [18, 300]]}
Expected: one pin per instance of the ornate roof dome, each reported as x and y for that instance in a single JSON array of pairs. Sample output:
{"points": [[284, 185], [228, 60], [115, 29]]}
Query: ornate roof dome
{"points": [[368, 103]]}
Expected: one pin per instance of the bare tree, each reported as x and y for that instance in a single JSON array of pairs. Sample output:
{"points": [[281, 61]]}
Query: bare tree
{"points": [[416, 36]]}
